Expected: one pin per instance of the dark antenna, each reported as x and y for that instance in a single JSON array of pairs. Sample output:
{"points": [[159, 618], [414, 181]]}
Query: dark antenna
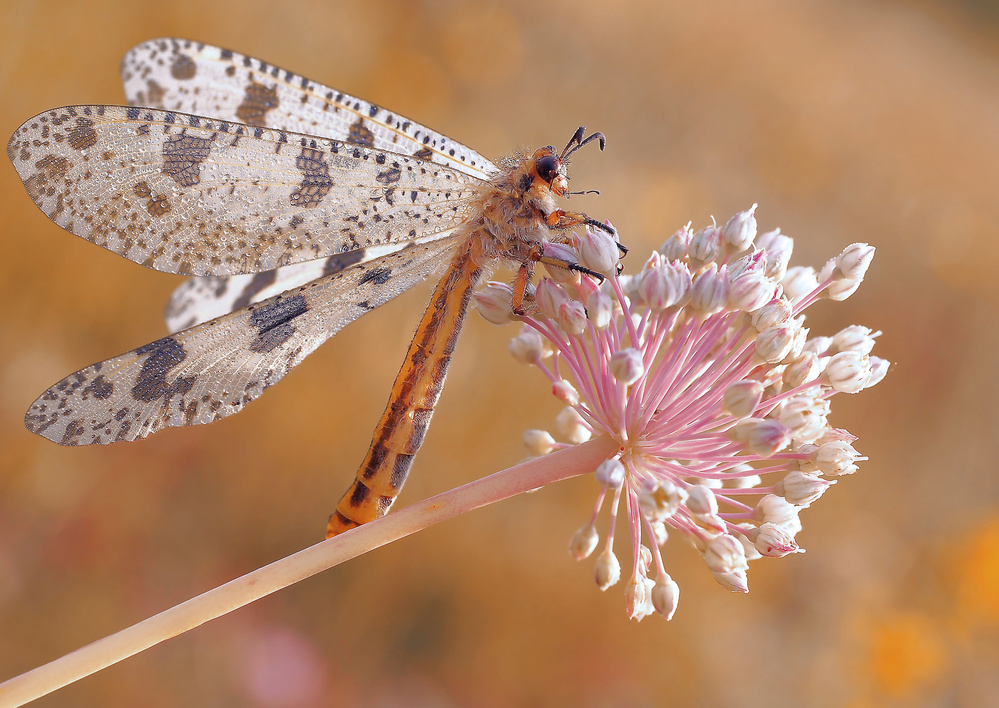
{"points": [[577, 141]]}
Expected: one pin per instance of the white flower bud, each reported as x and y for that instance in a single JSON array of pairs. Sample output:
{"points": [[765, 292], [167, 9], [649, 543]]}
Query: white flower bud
{"points": [[805, 417], [713, 524], [675, 247], [608, 570], [583, 542], [538, 442], [659, 500], [528, 347], [659, 532], [852, 263], [733, 582], [565, 392], [571, 424], [562, 252], [705, 245], [741, 398], [750, 291], [848, 372], [855, 338], [841, 289], [763, 437], [638, 597], [709, 293], [776, 510], [725, 554], [774, 343], [773, 314], [598, 251], [777, 248], [701, 500], [740, 230], [572, 317], [802, 489], [818, 345], [610, 473], [550, 296], [835, 458], [627, 366], [799, 282], [495, 303], [879, 368], [665, 596], [600, 309], [771, 541], [801, 370]]}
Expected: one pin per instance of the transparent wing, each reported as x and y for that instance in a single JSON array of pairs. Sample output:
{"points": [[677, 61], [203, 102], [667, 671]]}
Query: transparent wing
{"points": [[212, 370], [189, 77], [204, 298], [200, 196]]}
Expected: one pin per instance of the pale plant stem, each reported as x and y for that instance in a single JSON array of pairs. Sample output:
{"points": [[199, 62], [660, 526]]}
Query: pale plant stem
{"points": [[564, 464]]}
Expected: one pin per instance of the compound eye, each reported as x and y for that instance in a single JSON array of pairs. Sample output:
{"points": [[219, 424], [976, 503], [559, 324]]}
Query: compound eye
{"points": [[547, 168]]}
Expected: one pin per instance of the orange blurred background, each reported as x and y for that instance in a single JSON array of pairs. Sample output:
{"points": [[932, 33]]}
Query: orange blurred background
{"points": [[846, 121]]}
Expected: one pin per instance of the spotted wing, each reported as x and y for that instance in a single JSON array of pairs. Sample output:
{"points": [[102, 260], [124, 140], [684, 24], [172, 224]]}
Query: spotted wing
{"points": [[200, 196], [204, 298], [190, 77], [212, 370]]}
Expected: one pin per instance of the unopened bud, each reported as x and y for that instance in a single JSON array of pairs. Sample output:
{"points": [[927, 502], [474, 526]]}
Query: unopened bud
{"points": [[571, 424], [600, 309], [626, 365], [610, 473], [705, 245], [528, 347], [741, 398], [799, 282], [538, 442], [583, 542], [665, 596], [740, 230], [608, 570], [853, 262], [773, 542], [802, 489], [495, 303], [709, 293], [598, 251], [848, 372]]}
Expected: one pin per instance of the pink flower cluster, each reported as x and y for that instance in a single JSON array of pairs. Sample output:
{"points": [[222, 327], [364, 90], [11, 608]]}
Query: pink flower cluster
{"points": [[702, 371]]}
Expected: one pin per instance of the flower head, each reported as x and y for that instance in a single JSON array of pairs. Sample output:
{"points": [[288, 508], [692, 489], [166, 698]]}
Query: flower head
{"points": [[702, 371]]}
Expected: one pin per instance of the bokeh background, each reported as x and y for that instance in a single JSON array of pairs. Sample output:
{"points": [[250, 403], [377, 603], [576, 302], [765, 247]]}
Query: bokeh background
{"points": [[845, 120]]}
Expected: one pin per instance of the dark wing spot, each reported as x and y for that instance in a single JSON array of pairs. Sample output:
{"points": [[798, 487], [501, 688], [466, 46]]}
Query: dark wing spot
{"points": [[378, 276], [273, 322], [51, 171], [423, 154], [316, 182], [154, 94], [256, 284], [389, 176], [183, 68], [100, 388], [82, 135], [151, 383], [334, 264], [182, 157], [360, 135], [257, 101]]}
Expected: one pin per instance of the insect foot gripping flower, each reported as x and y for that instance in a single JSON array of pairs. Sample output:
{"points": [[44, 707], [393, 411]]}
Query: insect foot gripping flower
{"points": [[701, 370]]}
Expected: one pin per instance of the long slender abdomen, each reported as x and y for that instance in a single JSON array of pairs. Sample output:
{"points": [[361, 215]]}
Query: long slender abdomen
{"points": [[414, 395]]}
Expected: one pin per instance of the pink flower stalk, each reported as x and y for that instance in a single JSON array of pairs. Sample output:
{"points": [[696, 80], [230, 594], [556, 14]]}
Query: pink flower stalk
{"points": [[701, 371]]}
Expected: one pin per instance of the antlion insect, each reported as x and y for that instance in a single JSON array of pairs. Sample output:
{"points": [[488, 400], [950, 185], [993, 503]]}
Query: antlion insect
{"points": [[289, 187]]}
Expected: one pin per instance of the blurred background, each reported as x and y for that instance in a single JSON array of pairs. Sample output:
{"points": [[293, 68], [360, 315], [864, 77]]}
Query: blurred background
{"points": [[845, 120]]}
